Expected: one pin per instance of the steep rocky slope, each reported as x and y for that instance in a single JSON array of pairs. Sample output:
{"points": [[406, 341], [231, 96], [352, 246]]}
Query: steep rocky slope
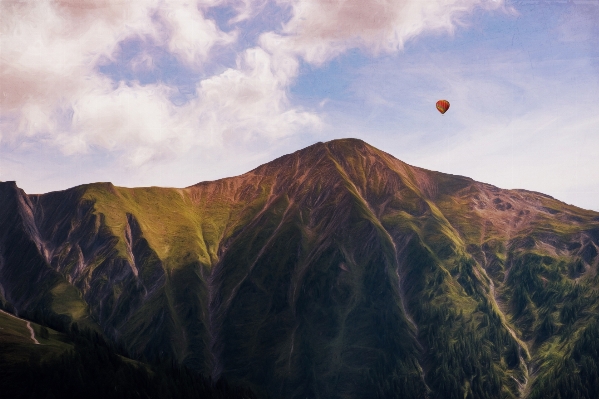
{"points": [[337, 271]]}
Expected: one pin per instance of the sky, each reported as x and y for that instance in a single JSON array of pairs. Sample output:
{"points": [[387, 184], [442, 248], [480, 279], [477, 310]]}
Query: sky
{"points": [[171, 93]]}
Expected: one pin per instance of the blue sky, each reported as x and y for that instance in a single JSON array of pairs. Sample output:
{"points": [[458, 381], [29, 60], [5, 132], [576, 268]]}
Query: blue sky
{"points": [[174, 93]]}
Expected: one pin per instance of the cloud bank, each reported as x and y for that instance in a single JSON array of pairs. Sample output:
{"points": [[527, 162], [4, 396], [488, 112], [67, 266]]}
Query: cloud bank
{"points": [[320, 30], [53, 92]]}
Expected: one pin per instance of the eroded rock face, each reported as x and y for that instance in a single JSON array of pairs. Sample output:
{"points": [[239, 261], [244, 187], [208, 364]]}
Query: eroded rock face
{"points": [[337, 271]]}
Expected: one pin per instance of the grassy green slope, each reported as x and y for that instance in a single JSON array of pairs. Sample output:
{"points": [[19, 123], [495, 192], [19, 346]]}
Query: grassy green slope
{"points": [[179, 224], [166, 217], [180, 231], [17, 346]]}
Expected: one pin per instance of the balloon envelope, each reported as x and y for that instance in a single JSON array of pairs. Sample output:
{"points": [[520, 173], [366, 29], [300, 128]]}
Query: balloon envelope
{"points": [[442, 106]]}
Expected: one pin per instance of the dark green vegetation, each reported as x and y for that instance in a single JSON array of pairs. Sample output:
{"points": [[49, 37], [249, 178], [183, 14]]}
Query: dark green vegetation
{"points": [[334, 272], [81, 364]]}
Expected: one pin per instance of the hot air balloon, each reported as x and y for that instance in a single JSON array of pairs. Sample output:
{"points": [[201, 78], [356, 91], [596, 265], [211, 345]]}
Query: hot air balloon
{"points": [[442, 106]]}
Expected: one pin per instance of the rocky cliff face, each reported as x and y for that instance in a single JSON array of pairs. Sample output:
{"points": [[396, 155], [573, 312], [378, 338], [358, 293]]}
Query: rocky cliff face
{"points": [[334, 272]]}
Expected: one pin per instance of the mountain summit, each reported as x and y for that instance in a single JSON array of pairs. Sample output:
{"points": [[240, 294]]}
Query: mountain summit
{"points": [[337, 271]]}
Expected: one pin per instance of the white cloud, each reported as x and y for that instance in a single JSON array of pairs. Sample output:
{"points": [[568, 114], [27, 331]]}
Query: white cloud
{"points": [[251, 100], [247, 9], [245, 102], [128, 117], [50, 51], [320, 30], [51, 88], [191, 36]]}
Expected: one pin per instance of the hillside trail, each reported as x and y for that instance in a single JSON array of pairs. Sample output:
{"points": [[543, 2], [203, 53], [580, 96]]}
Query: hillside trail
{"points": [[35, 341]]}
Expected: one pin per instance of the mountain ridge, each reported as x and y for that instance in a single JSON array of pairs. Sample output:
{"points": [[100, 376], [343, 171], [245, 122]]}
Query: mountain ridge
{"points": [[334, 271]]}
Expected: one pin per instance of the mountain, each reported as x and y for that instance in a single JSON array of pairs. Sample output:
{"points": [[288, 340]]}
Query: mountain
{"points": [[337, 271]]}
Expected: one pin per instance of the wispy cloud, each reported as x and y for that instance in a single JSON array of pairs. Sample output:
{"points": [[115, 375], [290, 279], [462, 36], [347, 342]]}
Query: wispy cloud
{"points": [[320, 30], [50, 57], [188, 33], [522, 129], [51, 51]]}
